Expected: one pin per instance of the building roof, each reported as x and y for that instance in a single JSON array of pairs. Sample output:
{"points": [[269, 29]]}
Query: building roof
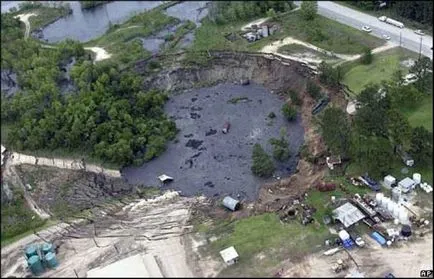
{"points": [[348, 214], [229, 254], [138, 266], [406, 182]]}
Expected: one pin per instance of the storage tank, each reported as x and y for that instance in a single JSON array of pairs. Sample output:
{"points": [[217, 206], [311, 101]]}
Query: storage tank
{"points": [[231, 203], [51, 260], [396, 210], [379, 198], [385, 202], [31, 250], [47, 247], [35, 265], [396, 194], [390, 206], [403, 216], [417, 178]]}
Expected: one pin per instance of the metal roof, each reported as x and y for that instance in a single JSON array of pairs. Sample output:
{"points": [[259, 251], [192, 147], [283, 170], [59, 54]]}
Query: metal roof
{"points": [[406, 182], [229, 254], [348, 214]]}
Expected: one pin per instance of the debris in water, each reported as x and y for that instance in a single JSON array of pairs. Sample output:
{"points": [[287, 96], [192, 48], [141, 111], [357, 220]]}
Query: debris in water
{"points": [[209, 184], [194, 143], [188, 136], [196, 155], [196, 108], [211, 132], [194, 115], [193, 99]]}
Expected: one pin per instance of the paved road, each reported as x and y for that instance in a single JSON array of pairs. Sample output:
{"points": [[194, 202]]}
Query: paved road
{"points": [[356, 19]]}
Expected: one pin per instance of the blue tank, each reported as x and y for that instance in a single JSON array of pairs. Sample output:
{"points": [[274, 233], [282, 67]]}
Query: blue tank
{"points": [[31, 250], [35, 265], [47, 247], [51, 260]]}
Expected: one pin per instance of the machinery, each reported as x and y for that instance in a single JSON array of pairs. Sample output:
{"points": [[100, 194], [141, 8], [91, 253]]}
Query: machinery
{"points": [[339, 266]]}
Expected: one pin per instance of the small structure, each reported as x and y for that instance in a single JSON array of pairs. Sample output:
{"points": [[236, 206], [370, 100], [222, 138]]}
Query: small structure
{"points": [[379, 238], [389, 181], [231, 203], [407, 184], [165, 178], [348, 214], [351, 108], [417, 178], [396, 194], [333, 160], [229, 255]]}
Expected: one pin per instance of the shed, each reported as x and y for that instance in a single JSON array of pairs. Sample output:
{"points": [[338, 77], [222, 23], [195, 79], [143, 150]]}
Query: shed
{"points": [[389, 180], [231, 203], [406, 184], [229, 255], [348, 214]]}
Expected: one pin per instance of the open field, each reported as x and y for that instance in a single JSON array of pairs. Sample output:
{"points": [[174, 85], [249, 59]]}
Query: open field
{"points": [[335, 36], [422, 114], [382, 67]]}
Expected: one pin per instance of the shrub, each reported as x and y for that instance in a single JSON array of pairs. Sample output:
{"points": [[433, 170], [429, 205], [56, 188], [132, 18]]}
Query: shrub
{"points": [[313, 89], [367, 57], [271, 115], [295, 99], [289, 112], [280, 147], [262, 164]]}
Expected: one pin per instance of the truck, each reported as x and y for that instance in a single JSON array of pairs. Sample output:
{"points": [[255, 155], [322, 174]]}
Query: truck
{"points": [[391, 21]]}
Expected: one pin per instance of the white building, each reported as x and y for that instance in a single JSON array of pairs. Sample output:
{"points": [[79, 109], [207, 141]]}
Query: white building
{"points": [[407, 184], [229, 255], [348, 214]]}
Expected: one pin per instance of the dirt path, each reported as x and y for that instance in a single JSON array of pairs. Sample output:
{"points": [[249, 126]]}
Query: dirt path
{"points": [[18, 159], [101, 54], [274, 47], [25, 18], [133, 26], [154, 229]]}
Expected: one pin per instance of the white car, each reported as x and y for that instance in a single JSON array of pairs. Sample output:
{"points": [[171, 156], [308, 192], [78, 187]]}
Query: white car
{"points": [[386, 37], [366, 28], [419, 32], [360, 242]]}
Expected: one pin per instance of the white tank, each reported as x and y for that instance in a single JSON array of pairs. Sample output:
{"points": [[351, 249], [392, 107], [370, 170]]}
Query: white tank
{"points": [[396, 210], [396, 222], [403, 216], [379, 197], [384, 202], [417, 178], [390, 206]]}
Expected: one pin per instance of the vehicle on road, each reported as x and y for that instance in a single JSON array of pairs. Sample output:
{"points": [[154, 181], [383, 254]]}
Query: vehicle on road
{"points": [[386, 37], [419, 32], [366, 28], [391, 21]]}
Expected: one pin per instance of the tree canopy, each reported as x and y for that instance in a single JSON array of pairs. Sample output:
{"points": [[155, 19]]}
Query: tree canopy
{"points": [[263, 165]]}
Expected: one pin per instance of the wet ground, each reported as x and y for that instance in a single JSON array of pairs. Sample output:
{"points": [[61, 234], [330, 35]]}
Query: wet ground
{"points": [[203, 159]]}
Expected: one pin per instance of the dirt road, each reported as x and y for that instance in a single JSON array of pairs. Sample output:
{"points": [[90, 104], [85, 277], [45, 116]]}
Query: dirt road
{"points": [[101, 54], [25, 18], [155, 227]]}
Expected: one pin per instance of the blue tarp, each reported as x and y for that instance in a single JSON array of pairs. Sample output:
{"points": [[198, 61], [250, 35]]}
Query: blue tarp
{"points": [[378, 238], [348, 243]]}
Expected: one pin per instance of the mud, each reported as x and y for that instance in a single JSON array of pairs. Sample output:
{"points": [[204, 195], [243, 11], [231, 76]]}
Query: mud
{"points": [[203, 160]]}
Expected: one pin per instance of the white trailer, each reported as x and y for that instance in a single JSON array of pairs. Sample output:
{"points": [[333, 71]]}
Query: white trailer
{"points": [[391, 21]]}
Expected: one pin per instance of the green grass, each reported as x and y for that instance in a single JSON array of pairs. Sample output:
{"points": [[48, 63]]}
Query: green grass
{"points": [[338, 38], [407, 22], [45, 16], [266, 235], [384, 64], [335, 37], [422, 115], [27, 233]]}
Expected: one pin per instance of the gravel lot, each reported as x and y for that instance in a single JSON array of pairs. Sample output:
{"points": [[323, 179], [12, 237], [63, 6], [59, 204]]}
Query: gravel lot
{"points": [[203, 160]]}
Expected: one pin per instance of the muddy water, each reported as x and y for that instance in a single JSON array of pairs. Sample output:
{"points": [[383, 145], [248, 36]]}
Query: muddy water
{"points": [[206, 161]]}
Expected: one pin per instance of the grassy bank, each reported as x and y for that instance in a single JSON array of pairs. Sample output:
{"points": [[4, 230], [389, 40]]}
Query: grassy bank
{"points": [[384, 64], [263, 242], [45, 15]]}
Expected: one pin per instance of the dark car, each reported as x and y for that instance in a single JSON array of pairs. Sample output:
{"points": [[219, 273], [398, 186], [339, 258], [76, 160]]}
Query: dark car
{"points": [[371, 183]]}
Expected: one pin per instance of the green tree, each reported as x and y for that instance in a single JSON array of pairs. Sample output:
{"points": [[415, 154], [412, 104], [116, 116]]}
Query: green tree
{"points": [[313, 89], [422, 146], [399, 127], [271, 14], [262, 164], [309, 9], [335, 130], [328, 75], [367, 57], [295, 99], [290, 112], [280, 146], [421, 69]]}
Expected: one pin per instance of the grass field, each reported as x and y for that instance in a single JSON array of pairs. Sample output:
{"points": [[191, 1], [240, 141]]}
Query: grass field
{"points": [[335, 36], [357, 75], [263, 242], [422, 115]]}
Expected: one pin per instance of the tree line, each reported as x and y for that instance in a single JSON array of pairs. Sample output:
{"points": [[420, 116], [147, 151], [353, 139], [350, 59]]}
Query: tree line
{"points": [[222, 12], [379, 126]]}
